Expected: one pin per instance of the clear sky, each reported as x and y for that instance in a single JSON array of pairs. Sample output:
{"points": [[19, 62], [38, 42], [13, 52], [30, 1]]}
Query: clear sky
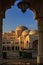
{"points": [[14, 17]]}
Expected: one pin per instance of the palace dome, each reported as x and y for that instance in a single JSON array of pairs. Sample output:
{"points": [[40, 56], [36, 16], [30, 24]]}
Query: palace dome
{"points": [[25, 32], [33, 32]]}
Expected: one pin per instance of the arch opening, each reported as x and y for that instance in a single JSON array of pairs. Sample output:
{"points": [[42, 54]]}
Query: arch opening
{"points": [[13, 18]]}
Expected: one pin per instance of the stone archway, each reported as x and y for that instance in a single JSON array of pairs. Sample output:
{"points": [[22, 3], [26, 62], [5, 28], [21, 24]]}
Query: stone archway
{"points": [[37, 7], [4, 5]]}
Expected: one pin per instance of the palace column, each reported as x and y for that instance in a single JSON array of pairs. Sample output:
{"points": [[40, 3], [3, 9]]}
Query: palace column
{"points": [[2, 15], [40, 40], [0, 39], [4, 5]]}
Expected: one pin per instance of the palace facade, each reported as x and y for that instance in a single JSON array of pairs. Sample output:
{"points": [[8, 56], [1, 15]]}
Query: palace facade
{"points": [[22, 39]]}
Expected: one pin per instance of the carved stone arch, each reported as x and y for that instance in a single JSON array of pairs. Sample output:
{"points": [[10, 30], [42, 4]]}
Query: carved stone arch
{"points": [[4, 5], [35, 44]]}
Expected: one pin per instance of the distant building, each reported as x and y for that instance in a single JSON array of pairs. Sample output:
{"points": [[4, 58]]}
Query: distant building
{"points": [[20, 40]]}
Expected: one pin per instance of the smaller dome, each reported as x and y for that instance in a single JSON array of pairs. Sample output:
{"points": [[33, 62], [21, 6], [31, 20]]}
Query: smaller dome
{"points": [[33, 32], [25, 32]]}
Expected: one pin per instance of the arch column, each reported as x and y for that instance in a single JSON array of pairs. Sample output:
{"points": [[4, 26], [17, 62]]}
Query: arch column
{"points": [[40, 40], [1, 39], [4, 5]]}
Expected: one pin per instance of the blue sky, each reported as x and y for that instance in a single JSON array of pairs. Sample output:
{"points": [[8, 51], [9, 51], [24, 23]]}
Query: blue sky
{"points": [[14, 17]]}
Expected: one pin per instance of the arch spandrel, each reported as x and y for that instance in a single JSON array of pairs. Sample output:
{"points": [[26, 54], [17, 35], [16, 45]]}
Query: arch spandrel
{"points": [[36, 6], [4, 5]]}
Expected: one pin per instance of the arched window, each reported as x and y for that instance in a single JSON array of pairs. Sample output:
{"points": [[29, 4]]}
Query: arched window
{"points": [[8, 48], [35, 44], [4, 48], [27, 42], [16, 48], [3, 42], [12, 48]]}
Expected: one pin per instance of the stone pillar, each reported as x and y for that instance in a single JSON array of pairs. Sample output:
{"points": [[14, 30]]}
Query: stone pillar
{"points": [[40, 40], [0, 39]]}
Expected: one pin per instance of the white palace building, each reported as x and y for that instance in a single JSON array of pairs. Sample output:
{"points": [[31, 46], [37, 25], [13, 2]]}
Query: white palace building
{"points": [[21, 40]]}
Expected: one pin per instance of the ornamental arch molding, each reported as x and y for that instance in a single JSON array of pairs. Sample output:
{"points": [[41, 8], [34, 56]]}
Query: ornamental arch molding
{"points": [[4, 5]]}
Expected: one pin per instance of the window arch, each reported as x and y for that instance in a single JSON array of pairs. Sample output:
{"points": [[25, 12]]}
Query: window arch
{"points": [[35, 44]]}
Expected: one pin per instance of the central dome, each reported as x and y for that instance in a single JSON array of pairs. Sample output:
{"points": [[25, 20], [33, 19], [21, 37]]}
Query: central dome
{"points": [[25, 32], [21, 28]]}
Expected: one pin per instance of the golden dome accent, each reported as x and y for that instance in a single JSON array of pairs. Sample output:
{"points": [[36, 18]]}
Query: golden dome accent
{"points": [[33, 32], [25, 32]]}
